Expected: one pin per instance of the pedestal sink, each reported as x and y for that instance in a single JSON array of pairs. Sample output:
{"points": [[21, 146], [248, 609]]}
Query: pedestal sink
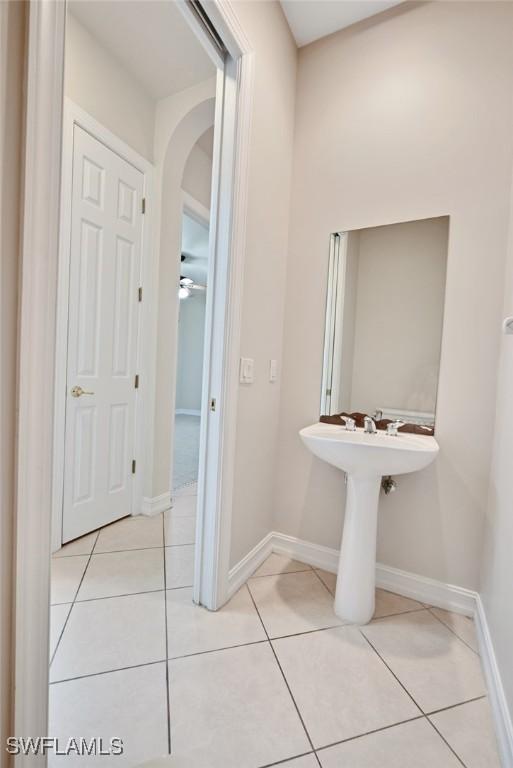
{"points": [[365, 458]]}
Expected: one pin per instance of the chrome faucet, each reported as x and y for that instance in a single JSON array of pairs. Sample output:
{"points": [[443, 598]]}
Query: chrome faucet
{"points": [[349, 423], [369, 425], [394, 426]]}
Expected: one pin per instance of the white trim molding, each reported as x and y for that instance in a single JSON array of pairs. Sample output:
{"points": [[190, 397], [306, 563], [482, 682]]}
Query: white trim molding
{"points": [[246, 567], [501, 715], [156, 505], [37, 368]]}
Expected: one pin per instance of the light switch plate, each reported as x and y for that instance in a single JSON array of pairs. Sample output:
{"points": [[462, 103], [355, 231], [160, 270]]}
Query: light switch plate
{"points": [[273, 371], [247, 370]]}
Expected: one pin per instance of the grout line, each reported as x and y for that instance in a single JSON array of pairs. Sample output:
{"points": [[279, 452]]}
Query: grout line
{"points": [[446, 742], [288, 760], [453, 706], [391, 671], [123, 594], [369, 733], [283, 675], [168, 703], [452, 630], [395, 615], [107, 552], [72, 602], [108, 671], [216, 650], [322, 582], [281, 573]]}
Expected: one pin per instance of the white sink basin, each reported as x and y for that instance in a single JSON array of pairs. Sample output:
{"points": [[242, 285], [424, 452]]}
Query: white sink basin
{"points": [[365, 458], [360, 453]]}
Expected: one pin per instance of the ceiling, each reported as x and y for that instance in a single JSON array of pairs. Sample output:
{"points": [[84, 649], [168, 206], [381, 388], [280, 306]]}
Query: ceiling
{"points": [[311, 19], [151, 40]]}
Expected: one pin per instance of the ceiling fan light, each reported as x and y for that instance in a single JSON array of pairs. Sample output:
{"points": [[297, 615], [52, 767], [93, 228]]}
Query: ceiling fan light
{"points": [[184, 293], [186, 281]]}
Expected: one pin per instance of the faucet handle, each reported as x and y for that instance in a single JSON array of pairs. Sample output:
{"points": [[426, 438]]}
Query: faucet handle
{"points": [[349, 423], [394, 426]]}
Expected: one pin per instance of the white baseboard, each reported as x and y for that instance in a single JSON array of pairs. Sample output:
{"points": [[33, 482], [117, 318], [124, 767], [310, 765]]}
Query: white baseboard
{"points": [[246, 567], [156, 504], [312, 554], [426, 590], [187, 412], [499, 706], [411, 585]]}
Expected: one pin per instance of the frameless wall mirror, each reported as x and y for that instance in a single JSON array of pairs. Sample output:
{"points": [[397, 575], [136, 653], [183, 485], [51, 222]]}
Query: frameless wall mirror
{"points": [[384, 314]]}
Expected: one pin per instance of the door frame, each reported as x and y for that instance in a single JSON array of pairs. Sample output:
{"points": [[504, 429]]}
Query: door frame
{"points": [[37, 340], [75, 115]]}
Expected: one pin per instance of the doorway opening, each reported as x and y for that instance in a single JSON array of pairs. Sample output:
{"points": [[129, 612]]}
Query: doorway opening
{"points": [[224, 99], [191, 337]]}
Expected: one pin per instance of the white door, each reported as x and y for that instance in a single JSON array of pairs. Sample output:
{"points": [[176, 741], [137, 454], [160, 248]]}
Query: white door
{"points": [[105, 261]]}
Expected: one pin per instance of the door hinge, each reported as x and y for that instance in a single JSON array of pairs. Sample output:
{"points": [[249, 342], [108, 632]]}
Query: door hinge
{"points": [[136, 382], [143, 205], [213, 404], [139, 293], [133, 466]]}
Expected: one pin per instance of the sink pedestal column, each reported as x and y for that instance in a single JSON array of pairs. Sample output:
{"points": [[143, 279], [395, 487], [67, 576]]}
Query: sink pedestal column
{"points": [[356, 580]]}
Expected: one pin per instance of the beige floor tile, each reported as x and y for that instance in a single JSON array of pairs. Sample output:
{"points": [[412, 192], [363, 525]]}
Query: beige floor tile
{"points": [[469, 730], [193, 629], [280, 564], [307, 761], [389, 604], [293, 602], [139, 532], [67, 573], [463, 626], [179, 530], [58, 616], [232, 709], [410, 745], [329, 579], [429, 660], [123, 573], [82, 546], [117, 632], [129, 704], [184, 506], [179, 566], [340, 685]]}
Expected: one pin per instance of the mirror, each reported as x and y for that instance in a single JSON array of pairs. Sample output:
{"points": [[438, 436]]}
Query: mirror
{"points": [[384, 315]]}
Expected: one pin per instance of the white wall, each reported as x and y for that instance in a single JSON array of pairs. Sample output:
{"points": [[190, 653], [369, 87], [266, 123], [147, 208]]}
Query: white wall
{"points": [[404, 116], [497, 568], [270, 166], [98, 83], [398, 320], [191, 334], [197, 175]]}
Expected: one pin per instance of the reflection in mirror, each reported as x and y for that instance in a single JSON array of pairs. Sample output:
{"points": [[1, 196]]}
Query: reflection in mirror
{"points": [[384, 314]]}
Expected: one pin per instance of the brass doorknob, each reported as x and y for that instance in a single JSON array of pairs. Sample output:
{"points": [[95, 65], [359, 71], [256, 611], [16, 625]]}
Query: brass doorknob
{"points": [[78, 392]]}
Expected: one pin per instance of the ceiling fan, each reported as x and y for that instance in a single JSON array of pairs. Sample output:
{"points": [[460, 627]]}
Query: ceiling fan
{"points": [[187, 284]]}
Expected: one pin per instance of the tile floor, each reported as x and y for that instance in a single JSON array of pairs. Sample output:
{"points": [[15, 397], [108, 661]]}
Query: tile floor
{"points": [[273, 678]]}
